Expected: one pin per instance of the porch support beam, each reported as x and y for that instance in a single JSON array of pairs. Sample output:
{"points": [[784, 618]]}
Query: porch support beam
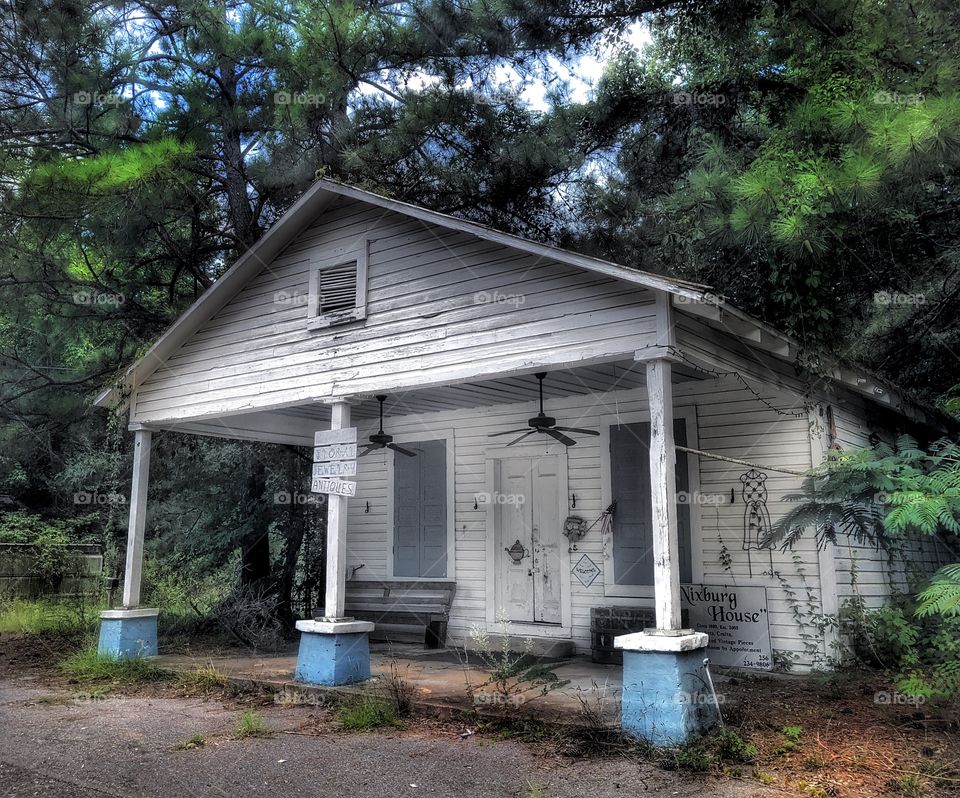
{"points": [[336, 582], [663, 462], [138, 517], [334, 649], [132, 631]]}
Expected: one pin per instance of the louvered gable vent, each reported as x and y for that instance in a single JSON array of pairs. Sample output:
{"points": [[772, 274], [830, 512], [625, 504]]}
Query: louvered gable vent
{"points": [[338, 288]]}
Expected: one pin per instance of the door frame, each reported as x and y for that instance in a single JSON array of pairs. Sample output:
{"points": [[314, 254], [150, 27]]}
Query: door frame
{"points": [[528, 450], [689, 415], [449, 439]]}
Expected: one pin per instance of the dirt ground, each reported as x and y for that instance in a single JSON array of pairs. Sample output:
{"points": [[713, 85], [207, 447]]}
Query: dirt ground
{"points": [[815, 737]]}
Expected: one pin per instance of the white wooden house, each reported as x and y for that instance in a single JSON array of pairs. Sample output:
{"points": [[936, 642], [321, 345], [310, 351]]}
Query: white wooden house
{"points": [[351, 295]]}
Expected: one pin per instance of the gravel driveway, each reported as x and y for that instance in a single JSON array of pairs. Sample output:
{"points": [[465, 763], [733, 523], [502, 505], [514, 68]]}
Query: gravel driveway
{"points": [[53, 744]]}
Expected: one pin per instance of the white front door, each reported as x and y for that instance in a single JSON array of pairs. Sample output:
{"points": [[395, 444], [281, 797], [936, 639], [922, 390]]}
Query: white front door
{"points": [[528, 538]]}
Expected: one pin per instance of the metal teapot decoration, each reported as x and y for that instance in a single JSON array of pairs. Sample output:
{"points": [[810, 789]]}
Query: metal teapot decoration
{"points": [[517, 551]]}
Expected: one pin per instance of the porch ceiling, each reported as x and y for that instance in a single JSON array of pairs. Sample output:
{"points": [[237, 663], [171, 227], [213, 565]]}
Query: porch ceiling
{"points": [[580, 381]]}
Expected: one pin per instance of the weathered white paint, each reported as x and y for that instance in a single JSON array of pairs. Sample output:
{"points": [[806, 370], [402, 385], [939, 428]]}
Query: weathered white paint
{"points": [[829, 599], [440, 309], [138, 518], [336, 532], [663, 463], [327, 437]]}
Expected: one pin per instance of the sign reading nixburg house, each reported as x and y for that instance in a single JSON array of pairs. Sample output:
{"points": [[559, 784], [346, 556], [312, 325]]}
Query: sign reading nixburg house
{"points": [[735, 618]]}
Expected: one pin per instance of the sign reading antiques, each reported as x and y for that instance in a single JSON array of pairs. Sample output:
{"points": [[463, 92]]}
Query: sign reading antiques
{"points": [[735, 618], [334, 456]]}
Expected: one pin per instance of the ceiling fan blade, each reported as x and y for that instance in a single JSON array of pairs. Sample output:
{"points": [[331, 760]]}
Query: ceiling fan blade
{"points": [[508, 432], [400, 449], [577, 429], [559, 436], [369, 448], [525, 435]]}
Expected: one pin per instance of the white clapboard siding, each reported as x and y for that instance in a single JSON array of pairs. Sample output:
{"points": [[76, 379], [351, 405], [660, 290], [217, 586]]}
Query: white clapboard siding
{"points": [[730, 420], [430, 319]]}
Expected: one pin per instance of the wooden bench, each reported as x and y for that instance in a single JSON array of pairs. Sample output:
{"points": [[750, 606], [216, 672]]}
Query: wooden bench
{"points": [[404, 611]]}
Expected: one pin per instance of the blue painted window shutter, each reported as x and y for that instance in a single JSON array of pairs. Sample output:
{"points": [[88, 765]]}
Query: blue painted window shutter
{"points": [[633, 517], [420, 511]]}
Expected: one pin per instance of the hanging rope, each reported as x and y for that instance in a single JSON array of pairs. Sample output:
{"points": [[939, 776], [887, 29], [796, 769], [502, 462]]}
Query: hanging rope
{"points": [[725, 459], [681, 355]]}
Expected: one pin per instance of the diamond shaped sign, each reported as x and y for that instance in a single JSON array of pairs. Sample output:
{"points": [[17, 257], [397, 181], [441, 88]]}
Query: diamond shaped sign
{"points": [[586, 570]]}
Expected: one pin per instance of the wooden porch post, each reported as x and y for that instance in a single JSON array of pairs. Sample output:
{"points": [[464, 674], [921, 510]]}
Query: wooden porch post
{"points": [[663, 460], [336, 532], [138, 517]]}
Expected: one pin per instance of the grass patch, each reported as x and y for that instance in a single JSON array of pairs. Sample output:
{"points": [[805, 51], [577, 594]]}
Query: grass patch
{"points": [[367, 712], [711, 753], [205, 679], [43, 616], [91, 666], [191, 743], [250, 724]]}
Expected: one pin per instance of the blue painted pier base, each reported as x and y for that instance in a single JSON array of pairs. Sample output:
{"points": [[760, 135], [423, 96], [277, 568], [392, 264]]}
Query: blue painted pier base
{"points": [[667, 699], [333, 652], [125, 634]]}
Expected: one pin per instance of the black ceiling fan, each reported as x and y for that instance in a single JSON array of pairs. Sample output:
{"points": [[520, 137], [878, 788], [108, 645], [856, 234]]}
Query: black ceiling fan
{"points": [[380, 439], [545, 424]]}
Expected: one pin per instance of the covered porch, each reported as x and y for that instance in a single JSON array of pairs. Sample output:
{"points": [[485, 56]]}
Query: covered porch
{"points": [[536, 595]]}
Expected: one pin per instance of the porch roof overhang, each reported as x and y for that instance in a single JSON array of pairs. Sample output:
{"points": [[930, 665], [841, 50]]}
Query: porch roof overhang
{"points": [[296, 424], [690, 298]]}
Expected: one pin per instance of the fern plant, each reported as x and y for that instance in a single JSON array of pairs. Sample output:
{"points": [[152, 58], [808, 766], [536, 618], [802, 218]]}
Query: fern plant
{"points": [[881, 495]]}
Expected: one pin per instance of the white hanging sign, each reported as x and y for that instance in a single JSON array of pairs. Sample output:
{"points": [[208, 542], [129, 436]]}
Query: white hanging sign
{"points": [[325, 437], [337, 468], [333, 487], [335, 451]]}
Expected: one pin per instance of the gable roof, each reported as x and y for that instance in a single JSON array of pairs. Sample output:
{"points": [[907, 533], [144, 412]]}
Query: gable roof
{"points": [[694, 298], [305, 210]]}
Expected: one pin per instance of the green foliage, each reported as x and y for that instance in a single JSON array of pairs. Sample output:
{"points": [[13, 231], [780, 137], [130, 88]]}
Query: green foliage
{"points": [[878, 494], [250, 724], [46, 616], [367, 712], [922, 654], [91, 666], [942, 596], [514, 675], [725, 745]]}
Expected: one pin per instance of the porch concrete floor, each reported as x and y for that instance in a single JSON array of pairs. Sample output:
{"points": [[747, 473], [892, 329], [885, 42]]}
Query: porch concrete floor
{"points": [[439, 677]]}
